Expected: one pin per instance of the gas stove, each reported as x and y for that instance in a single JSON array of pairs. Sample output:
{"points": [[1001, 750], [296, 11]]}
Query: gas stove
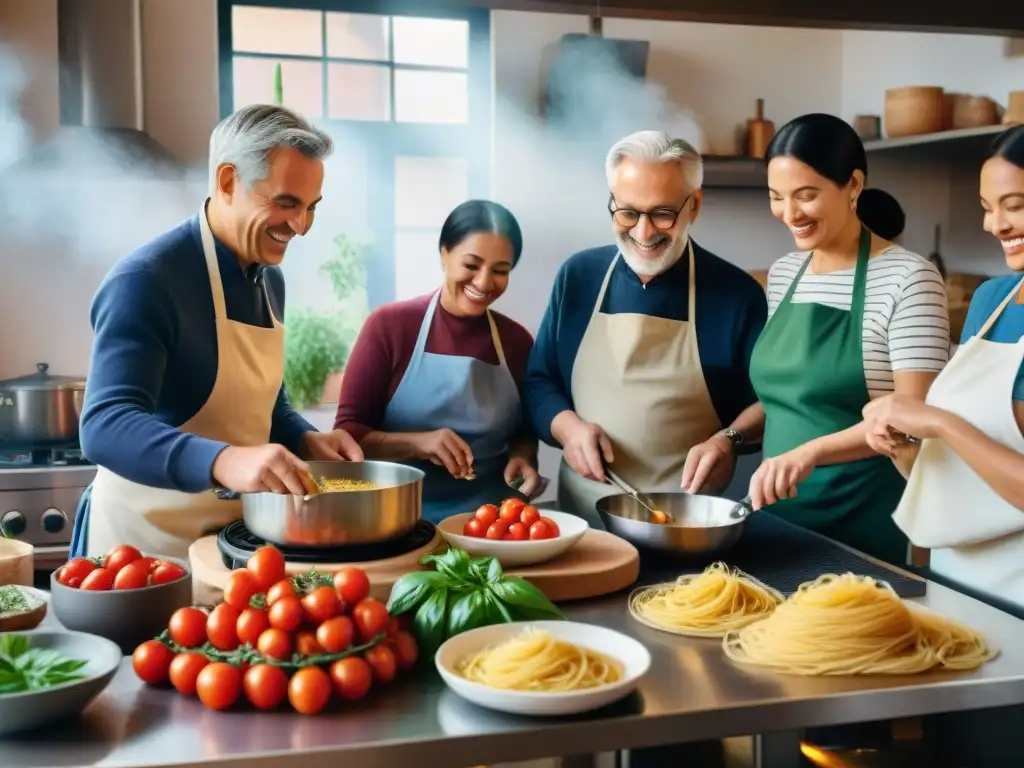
{"points": [[39, 493]]}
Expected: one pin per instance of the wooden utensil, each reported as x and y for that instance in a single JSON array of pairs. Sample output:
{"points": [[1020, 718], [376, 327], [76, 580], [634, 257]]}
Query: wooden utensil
{"points": [[759, 133]]}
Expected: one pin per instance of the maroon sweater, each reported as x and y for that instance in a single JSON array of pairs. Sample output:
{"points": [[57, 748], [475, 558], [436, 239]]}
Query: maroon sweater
{"points": [[385, 345]]}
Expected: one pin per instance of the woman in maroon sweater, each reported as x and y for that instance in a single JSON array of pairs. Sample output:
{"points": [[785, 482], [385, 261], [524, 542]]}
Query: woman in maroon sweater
{"points": [[435, 381]]}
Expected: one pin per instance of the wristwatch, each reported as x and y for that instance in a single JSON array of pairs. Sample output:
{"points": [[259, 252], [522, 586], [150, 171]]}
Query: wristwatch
{"points": [[734, 436]]}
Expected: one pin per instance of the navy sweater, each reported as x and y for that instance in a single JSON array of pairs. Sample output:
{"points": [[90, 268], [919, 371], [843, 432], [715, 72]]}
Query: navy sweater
{"points": [[154, 360], [731, 311]]}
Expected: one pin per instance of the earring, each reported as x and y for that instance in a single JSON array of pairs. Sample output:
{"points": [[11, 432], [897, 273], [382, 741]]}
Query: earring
{"points": [[853, 203]]}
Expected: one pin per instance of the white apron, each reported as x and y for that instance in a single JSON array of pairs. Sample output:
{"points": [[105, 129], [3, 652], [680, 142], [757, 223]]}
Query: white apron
{"points": [[976, 536], [250, 371], [639, 378]]}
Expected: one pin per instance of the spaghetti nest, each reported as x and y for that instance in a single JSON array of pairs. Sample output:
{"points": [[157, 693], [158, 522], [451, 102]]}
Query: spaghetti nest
{"points": [[537, 661], [707, 604], [854, 625]]}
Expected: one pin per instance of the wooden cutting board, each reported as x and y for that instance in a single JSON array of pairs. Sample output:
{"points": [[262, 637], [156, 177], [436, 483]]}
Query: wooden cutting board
{"points": [[600, 564]]}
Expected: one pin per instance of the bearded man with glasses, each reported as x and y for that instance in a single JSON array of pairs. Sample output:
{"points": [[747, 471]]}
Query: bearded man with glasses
{"points": [[644, 350]]}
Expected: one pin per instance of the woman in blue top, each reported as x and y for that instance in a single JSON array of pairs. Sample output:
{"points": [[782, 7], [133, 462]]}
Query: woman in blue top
{"points": [[965, 495]]}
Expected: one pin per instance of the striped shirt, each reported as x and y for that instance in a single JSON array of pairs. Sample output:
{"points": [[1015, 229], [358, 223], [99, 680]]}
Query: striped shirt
{"points": [[906, 319]]}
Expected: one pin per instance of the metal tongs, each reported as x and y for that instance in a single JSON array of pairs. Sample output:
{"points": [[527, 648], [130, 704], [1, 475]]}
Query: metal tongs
{"points": [[657, 516]]}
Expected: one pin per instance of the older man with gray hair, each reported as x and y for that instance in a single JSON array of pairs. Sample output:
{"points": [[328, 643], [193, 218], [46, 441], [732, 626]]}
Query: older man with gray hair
{"points": [[185, 391], [643, 352]]}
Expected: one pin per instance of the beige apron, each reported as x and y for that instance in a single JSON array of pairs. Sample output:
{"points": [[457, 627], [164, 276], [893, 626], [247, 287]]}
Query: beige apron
{"points": [[976, 536], [250, 370], [639, 378]]}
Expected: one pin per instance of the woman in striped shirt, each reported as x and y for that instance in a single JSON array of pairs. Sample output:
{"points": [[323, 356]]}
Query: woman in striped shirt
{"points": [[852, 317]]}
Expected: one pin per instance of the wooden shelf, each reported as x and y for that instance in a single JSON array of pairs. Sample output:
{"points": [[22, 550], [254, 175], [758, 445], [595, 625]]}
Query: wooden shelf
{"points": [[734, 172], [965, 140]]}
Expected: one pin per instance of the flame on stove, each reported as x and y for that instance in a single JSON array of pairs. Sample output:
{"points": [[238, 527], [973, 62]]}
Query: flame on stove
{"points": [[822, 758]]}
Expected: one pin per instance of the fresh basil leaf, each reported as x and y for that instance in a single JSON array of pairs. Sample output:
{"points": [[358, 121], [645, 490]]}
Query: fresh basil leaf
{"points": [[429, 622], [459, 560], [13, 646], [518, 592], [469, 611], [412, 589], [67, 667], [494, 572], [478, 568], [497, 609]]}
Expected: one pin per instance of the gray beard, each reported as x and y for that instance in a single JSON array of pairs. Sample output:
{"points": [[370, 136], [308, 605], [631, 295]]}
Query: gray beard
{"points": [[649, 268]]}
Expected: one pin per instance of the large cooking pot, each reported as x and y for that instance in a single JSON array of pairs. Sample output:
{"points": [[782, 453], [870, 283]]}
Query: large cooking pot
{"points": [[338, 518], [41, 409], [700, 526]]}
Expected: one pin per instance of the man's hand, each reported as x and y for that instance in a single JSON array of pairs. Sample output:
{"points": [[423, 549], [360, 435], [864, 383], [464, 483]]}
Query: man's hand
{"points": [[709, 465], [260, 469], [584, 445], [331, 446]]}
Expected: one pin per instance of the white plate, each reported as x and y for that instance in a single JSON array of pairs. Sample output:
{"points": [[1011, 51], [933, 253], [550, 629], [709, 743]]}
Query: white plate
{"points": [[513, 554], [633, 656]]}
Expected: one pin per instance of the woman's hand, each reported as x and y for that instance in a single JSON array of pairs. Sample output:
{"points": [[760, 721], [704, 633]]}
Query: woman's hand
{"points": [[519, 466], [903, 414], [777, 478], [446, 449]]}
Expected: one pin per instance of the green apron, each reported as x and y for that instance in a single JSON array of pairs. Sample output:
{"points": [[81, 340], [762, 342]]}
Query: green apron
{"points": [[808, 371]]}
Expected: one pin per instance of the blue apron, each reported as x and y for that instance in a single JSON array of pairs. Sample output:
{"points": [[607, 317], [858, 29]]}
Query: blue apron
{"points": [[476, 400], [80, 531]]}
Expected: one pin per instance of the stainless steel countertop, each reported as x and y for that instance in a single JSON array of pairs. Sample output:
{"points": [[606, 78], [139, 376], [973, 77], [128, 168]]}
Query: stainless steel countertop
{"points": [[692, 693]]}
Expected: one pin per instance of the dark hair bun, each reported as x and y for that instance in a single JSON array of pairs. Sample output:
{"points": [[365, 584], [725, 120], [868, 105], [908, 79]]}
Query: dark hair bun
{"points": [[826, 143]]}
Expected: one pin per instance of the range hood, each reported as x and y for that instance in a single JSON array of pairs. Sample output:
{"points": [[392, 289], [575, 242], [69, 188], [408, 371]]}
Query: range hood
{"points": [[102, 108]]}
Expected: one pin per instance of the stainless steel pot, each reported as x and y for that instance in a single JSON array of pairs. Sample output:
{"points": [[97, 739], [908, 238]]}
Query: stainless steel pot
{"points": [[705, 526], [343, 517], [41, 409]]}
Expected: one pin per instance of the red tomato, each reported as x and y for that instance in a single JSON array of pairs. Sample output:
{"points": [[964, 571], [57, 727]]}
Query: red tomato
{"points": [[405, 648], [486, 514], [307, 644], [529, 515], [371, 618], [382, 663], [275, 644], [250, 625], [99, 580], [541, 530], [135, 575], [474, 527], [221, 627], [119, 557], [240, 588], [281, 589], [498, 529], [511, 509], [187, 627], [74, 571], [152, 662], [267, 565], [165, 573], [219, 685], [309, 690], [185, 671], [335, 635], [152, 563], [286, 614], [517, 532], [553, 526], [352, 678], [265, 686], [321, 604], [352, 584]]}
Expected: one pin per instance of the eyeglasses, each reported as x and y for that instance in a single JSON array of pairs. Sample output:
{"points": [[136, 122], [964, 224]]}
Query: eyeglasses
{"points": [[661, 218]]}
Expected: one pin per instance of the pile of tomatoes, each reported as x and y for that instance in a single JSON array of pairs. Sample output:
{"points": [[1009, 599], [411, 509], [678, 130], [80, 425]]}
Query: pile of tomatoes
{"points": [[123, 567], [306, 639], [513, 520]]}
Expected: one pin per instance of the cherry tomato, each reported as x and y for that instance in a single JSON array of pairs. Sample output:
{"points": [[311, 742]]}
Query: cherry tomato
{"points": [[540, 530], [135, 575], [250, 625], [74, 571], [221, 627], [281, 589], [382, 663], [529, 515], [152, 662], [371, 618], [265, 686], [99, 580], [165, 573], [475, 528], [307, 644], [309, 690], [335, 635], [151, 563], [240, 588], [185, 671], [498, 529], [394, 626], [286, 614], [510, 509], [275, 644], [486, 514], [219, 685], [406, 650], [321, 604], [267, 565], [352, 584], [119, 557], [552, 526], [352, 678], [187, 627], [517, 532]]}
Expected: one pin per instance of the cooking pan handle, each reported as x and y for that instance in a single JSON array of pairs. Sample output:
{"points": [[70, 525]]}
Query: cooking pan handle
{"points": [[742, 509]]}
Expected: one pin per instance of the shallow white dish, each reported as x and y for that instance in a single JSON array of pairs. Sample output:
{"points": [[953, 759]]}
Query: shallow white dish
{"points": [[634, 657], [513, 554]]}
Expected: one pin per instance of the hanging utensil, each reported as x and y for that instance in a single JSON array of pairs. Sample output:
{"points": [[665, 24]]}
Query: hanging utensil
{"points": [[759, 133]]}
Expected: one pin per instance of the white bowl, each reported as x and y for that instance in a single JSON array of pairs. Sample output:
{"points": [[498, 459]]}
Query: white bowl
{"points": [[633, 656], [513, 554]]}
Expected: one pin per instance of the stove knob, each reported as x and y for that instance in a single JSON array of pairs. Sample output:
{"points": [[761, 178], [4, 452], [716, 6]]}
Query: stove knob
{"points": [[13, 523], [53, 520]]}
